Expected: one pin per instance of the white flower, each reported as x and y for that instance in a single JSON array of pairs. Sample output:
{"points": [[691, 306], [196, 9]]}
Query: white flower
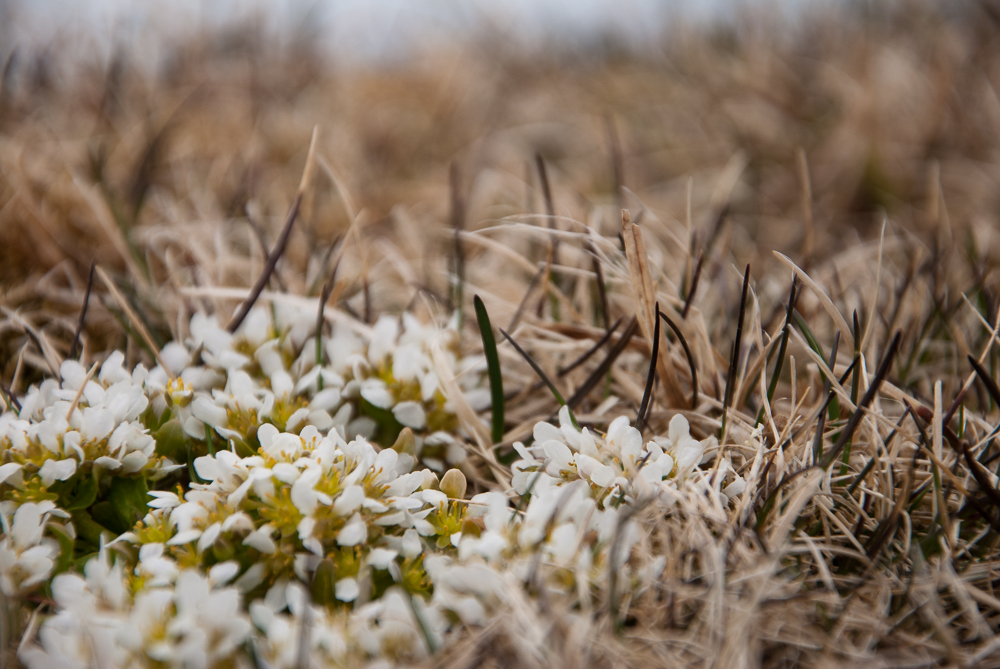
{"points": [[354, 532], [164, 499], [346, 589], [686, 451], [56, 470], [24, 560], [260, 539], [410, 414]]}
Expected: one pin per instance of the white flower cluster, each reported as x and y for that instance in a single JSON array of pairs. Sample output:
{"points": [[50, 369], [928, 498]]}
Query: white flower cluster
{"points": [[304, 496], [354, 546], [375, 380], [617, 466], [62, 426], [268, 518], [98, 623]]}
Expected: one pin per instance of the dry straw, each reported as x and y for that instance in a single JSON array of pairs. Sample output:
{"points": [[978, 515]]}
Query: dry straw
{"points": [[868, 527]]}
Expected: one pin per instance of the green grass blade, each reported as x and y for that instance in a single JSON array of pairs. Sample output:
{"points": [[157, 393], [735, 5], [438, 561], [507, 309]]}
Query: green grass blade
{"points": [[493, 368]]}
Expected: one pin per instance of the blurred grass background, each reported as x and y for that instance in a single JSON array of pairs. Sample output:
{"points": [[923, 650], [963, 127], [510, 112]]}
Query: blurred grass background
{"points": [[891, 108]]}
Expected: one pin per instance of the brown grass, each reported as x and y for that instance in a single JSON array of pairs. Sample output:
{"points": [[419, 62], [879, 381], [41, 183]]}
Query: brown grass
{"points": [[861, 147]]}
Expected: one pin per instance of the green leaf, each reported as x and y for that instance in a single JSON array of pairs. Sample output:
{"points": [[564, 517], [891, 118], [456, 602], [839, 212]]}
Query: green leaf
{"points": [[66, 548], [81, 562], [77, 492], [388, 428], [324, 583], [493, 367], [88, 531], [126, 504], [171, 441], [83, 493]]}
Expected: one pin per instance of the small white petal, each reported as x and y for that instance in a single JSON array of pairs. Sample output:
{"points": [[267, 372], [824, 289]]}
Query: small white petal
{"points": [[349, 500], [261, 540], [223, 572], [354, 533], [346, 589], [410, 414], [164, 499], [379, 558], [209, 537], [56, 470], [133, 462], [184, 537], [603, 476], [411, 546], [104, 462], [375, 392]]}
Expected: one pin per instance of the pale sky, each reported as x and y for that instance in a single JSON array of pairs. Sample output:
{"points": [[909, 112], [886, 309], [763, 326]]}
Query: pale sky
{"points": [[349, 29]]}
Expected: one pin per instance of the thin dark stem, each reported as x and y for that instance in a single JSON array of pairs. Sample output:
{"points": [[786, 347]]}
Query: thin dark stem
{"points": [[869, 397], [602, 295], [83, 312], [550, 211], [734, 360], [605, 366], [367, 293], [524, 300], [687, 354], [818, 439], [320, 356], [458, 225], [535, 366], [259, 234], [272, 262], [694, 285], [590, 351], [640, 419], [11, 397], [785, 331]]}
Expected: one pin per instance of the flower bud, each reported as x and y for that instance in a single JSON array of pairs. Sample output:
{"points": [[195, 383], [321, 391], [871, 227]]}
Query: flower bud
{"points": [[453, 484]]}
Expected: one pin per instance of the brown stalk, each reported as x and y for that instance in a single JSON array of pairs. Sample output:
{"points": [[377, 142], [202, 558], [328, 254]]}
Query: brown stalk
{"points": [[83, 312], [279, 247], [645, 296], [598, 374]]}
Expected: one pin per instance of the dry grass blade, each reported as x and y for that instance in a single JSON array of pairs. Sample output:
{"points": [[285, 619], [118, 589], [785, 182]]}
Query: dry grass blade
{"points": [[83, 312], [645, 297], [279, 247], [831, 309], [133, 319], [586, 355], [734, 360], [598, 374], [689, 300], [692, 367], [859, 413], [647, 393]]}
